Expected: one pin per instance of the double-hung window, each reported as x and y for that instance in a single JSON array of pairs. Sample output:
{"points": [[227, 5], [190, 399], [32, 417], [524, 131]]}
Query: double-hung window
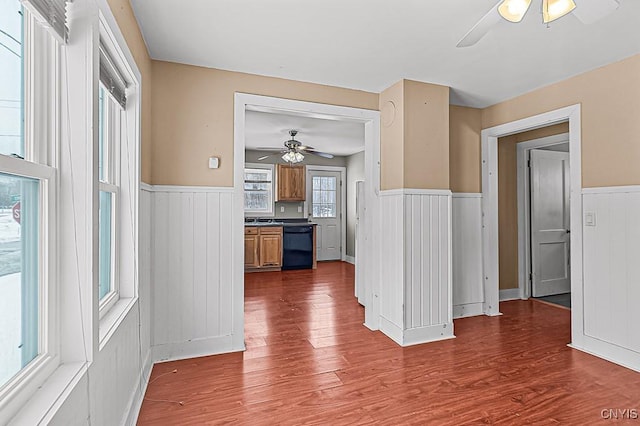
{"points": [[258, 191], [28, 138], [111, 134]]}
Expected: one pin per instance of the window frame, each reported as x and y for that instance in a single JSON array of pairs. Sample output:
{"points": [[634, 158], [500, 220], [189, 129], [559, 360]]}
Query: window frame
{"points": [[41, 109], [113, 136], [271, 211]]}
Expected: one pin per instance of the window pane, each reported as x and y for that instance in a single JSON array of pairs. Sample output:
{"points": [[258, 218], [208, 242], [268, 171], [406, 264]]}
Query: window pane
{"points": [[256, 201], [11, 78], [104, 272], [316, 182], [19, 288]]}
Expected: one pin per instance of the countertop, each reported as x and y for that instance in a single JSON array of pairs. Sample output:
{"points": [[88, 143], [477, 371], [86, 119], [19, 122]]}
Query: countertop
{"points": [[281, 222]]}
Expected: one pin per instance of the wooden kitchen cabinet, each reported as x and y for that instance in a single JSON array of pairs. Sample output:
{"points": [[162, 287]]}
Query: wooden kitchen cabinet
{"points": [[262, 248], [291, 182]]}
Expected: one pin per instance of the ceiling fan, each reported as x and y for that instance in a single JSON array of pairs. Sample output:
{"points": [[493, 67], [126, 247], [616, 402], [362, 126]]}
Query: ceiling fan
{"points": [[293, 151], [587, 11]]}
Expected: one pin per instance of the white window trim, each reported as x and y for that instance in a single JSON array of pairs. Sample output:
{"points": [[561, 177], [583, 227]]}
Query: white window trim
{"points": [[125, 185], [272, 212]]}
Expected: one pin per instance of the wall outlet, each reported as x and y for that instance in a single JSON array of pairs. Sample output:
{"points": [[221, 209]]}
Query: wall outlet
{"points": [[299, 209], [281, 209]]}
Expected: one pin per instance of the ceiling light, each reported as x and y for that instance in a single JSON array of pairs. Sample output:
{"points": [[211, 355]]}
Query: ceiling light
{"points": [[293, 157], [554, 9], [514, 10]]}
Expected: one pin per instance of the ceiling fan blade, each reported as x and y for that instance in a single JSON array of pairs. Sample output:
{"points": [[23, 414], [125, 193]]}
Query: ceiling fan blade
{"points": [[320, 154], [590, 11], [264, 157], [306, 148], [269, 149], [481, 28]]}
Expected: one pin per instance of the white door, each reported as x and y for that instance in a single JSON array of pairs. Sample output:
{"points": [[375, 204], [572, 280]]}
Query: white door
{"points": [[324, 209], [550, 250], [359, 246]]}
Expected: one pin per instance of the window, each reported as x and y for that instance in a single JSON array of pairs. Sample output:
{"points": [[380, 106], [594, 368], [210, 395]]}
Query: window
{"points": [[258, 191], [109, 137], [324, 196], [27, 199]]}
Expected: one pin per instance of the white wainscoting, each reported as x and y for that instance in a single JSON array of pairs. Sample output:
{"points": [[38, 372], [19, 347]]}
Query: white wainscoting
{"points": [[416, 271], [192, 271], [466, 229], [611, 290]]}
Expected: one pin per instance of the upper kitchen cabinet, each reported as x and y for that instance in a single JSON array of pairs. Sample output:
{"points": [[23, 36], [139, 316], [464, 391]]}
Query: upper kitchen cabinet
{"points": [[291, 182]]}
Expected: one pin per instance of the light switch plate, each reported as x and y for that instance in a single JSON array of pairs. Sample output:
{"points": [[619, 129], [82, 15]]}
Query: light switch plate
{"points": [[214, 162], [299, 209], [281, 209], [589, 219]]}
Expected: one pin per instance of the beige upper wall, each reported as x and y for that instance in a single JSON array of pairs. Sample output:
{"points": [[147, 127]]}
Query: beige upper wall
{"points": [[426, 135], [126, 20], [610, 100], [392, 137], [193, 117], [414, 136], [465, 173]]}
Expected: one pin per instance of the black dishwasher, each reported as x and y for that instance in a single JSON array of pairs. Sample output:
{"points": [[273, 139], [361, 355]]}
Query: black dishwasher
{"points": [[297, 247]]}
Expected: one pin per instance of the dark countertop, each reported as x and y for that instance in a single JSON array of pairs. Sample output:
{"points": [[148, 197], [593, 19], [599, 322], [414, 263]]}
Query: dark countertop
{"points": [[281, 222]]}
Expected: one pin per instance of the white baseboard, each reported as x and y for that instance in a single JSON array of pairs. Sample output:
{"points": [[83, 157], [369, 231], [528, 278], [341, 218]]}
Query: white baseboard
{"points": [[131, 418], [393, 331], [194, 349], [613, 353], [510, 294], [430, 333], [468, 310], [349, 259]]}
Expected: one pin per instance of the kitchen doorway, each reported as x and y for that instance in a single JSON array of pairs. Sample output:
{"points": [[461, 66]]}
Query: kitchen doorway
{"points": [[368, 256]]}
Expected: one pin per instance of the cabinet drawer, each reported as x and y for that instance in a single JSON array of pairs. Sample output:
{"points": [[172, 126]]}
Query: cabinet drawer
{"points": [[271, 230], [250, 230]]}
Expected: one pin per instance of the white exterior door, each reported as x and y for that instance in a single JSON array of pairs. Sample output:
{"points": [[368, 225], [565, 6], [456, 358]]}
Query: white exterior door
{"points": [[550, 250], [324, 194]]}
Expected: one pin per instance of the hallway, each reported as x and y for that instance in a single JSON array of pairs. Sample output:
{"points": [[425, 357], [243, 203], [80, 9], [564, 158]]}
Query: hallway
{"points": [[309, 359]]}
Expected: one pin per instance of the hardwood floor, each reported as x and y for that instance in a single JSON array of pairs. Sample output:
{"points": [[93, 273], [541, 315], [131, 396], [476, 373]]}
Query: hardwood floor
{"points": [[309, 360]]}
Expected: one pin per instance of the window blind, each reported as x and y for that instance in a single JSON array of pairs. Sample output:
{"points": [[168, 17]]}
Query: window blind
{"points": [[111, 78], [52, 13]]}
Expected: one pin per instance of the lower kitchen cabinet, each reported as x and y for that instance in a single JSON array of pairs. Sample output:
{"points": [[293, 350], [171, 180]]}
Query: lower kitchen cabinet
{"points": [[262, 248]]}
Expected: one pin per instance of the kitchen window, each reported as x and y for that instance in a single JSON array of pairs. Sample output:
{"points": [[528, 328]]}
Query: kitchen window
{"points": [[258, 191]]}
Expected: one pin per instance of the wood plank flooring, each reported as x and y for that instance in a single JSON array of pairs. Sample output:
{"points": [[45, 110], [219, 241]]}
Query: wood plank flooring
{"points": [[309, 360]]}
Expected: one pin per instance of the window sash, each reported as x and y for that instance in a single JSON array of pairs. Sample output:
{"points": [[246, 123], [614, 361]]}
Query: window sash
{"points": [[256, 186]]}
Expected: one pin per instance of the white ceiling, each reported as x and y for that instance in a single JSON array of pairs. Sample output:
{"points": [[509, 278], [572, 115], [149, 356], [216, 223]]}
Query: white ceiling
{"points": [[270, 130], [371, 44]]}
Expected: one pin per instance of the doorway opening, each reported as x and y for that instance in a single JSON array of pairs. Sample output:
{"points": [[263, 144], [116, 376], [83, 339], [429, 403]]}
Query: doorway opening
{"points": [[490, 224], [366, 258], [544, 223]]}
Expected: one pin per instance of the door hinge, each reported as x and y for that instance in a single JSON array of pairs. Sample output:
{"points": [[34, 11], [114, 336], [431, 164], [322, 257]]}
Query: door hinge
{"points": [[530, 276], [528, 163]]}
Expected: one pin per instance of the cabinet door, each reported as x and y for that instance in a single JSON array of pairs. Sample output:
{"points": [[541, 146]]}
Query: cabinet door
{"points": [[251, 257], [271, 250], [291, 182]]}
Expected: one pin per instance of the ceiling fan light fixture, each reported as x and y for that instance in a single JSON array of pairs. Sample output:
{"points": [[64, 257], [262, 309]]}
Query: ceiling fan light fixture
{"points": [[514, 10], [554, 9], [293, 157]]}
